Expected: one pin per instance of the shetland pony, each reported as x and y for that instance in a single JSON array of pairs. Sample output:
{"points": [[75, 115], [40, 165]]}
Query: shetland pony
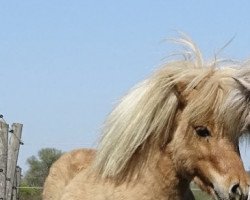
{"points": [[184, 121]]}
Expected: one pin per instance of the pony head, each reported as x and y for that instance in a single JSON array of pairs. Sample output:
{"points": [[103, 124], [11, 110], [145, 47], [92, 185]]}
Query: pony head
{"points": [[189, 111]]}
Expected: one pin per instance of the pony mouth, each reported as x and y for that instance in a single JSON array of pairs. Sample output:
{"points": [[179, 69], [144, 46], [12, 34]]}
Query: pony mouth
{"points": [[207, 186], [217, 195], [214, 193], [210, 188]]}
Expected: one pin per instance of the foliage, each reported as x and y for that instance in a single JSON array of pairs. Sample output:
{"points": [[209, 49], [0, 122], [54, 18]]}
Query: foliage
{"points": [[37, 173], [26, 193]]}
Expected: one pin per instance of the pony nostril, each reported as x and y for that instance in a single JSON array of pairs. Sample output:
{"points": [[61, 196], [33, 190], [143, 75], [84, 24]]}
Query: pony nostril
{"points": [[235, 189]]}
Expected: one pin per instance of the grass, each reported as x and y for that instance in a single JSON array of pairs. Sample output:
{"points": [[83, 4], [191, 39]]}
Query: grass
{"points": [[198, 194]]}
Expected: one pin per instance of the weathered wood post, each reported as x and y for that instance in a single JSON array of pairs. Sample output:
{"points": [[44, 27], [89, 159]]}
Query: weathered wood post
{"points": [[14, 189], [16, 184], [18, 180], [13, 150], [4, 128]]}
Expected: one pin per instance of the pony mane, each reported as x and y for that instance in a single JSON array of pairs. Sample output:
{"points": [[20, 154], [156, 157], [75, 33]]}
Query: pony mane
{"points": [[145, 118]]}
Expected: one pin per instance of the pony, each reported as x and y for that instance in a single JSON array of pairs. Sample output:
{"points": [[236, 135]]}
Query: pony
{"points": [[181, 123]]}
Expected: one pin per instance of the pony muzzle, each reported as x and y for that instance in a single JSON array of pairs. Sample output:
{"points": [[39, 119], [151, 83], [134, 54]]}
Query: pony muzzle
{"points": [[234, 192]]}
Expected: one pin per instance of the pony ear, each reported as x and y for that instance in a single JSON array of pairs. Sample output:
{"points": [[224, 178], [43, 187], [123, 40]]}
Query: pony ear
{"points": [[180, 89], [244, 87]]}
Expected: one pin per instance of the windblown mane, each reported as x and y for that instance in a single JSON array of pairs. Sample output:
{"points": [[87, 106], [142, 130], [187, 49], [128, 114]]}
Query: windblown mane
{"points": [[145, 118]]}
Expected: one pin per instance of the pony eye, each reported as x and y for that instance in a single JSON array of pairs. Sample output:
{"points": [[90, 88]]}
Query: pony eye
{"points": [[202, 131]]}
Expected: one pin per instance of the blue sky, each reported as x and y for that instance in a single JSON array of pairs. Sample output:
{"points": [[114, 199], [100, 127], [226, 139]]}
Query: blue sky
{"points": [[65, 63]]}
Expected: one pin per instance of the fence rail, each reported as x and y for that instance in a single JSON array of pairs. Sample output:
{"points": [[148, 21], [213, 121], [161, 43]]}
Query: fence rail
{"points": [[10, 173]]}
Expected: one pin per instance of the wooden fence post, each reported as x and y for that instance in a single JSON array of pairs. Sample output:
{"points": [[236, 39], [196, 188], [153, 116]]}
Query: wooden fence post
{"points": [[14, 189], [18, 179], [4, 128], [13, 150], [16, 184]]}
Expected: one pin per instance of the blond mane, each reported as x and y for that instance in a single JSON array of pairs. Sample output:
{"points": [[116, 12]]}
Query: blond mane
{"points": [[146, 115]]}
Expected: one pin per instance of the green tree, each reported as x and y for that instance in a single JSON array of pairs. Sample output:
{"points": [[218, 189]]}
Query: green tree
{"points": [[37, 173], [39, 167]]}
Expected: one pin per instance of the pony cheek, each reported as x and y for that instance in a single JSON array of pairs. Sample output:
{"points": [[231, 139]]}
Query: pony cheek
{"points": [[186, 159]]}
